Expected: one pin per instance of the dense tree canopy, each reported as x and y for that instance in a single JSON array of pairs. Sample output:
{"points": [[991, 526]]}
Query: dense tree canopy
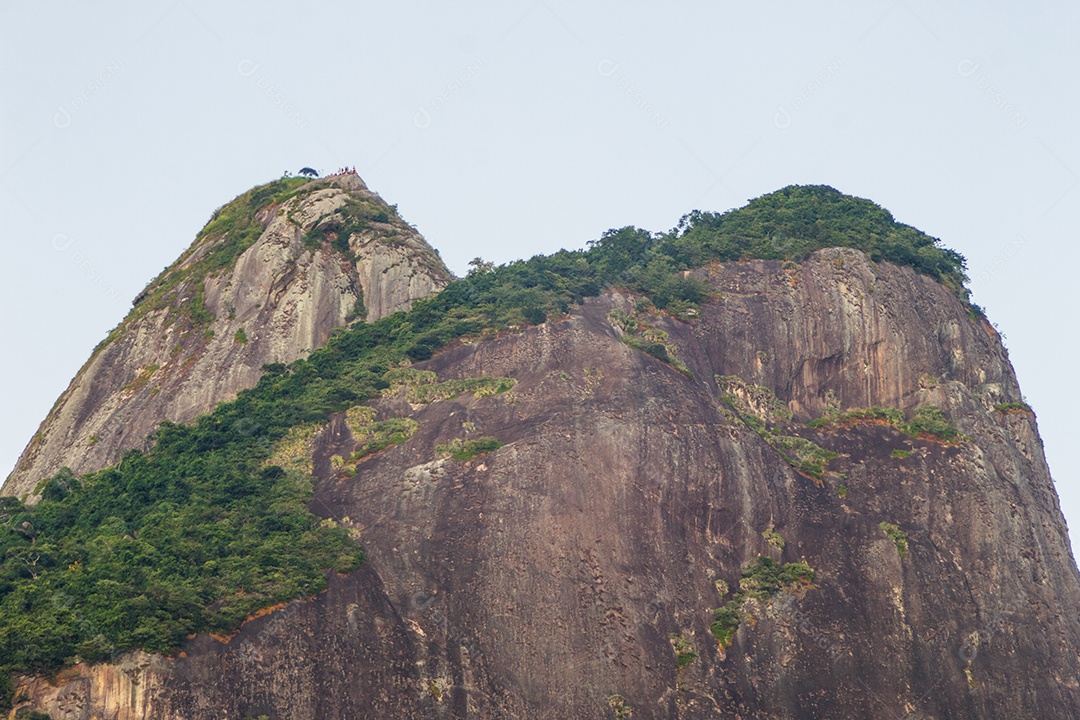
{"points": [[788, 224]]}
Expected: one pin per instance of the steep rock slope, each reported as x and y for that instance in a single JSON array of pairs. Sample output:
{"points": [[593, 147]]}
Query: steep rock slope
{"points": [[319, 255], [573, 571]]}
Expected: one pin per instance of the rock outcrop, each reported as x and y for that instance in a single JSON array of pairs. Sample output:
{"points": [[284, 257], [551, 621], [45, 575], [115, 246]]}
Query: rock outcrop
{"points": [[573, 572], [203, 330]]}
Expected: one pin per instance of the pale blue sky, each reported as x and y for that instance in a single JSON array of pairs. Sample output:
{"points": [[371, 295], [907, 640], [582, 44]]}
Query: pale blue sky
{"points": [[515, 128]]}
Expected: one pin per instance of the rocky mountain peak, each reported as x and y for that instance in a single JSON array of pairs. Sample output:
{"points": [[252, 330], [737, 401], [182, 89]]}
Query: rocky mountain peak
{"points": [[772, 463], [265, 281]]}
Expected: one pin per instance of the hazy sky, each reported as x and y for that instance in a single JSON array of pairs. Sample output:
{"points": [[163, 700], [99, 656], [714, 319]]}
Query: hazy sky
{"points": [[515, 128]]}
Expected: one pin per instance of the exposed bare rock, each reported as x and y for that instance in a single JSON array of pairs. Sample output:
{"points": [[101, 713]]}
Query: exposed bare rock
{"points": [[544, 578], [125, 690], [275, 303]]}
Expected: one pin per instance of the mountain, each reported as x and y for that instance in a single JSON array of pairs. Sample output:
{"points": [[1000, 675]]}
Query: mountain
{"points": [[267, 280], [772, 463]]}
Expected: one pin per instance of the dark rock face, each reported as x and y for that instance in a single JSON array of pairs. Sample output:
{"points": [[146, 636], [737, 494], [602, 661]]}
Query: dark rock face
{"points": [[544, 578]]}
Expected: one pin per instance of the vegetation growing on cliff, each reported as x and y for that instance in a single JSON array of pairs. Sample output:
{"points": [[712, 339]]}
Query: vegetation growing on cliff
{"points": [[381, 435], [684, 650], [460, 449], [618, 705], [642, 336], [232, 229], [336, 227], [763, 579], [898, 536], [755, 400], [422, 386], [761, 411], [774, 538], [926, 421], [835, 418], [210, 524], [804, 455], [1013, 407]]}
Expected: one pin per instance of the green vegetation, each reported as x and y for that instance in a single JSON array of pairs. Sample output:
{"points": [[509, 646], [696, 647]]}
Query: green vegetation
{"points": [[370, 435], [423, 387], [380, 435], [359, 310], [684, 650], [142, 378], [891, 416], [785, 225], [726, 621], [931, 420], [926, 421], [237, 222], [240, 336], [793, 222], [774, 538], [756, 400], [211, 523], [336, 227], [898, 536], [232, 229], [1013, 407], [761, 580], [805, 456], [759, 409], [460, 449], [619, 706], [842, 491], [359, 419], [639, 335], [407, 377], [293, 452], [928, 381], [900, 454], [155, 548]]}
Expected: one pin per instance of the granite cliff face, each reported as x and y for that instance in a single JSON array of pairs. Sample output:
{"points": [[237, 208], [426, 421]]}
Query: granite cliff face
{"points": [[573, 572], [203, 330]]}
